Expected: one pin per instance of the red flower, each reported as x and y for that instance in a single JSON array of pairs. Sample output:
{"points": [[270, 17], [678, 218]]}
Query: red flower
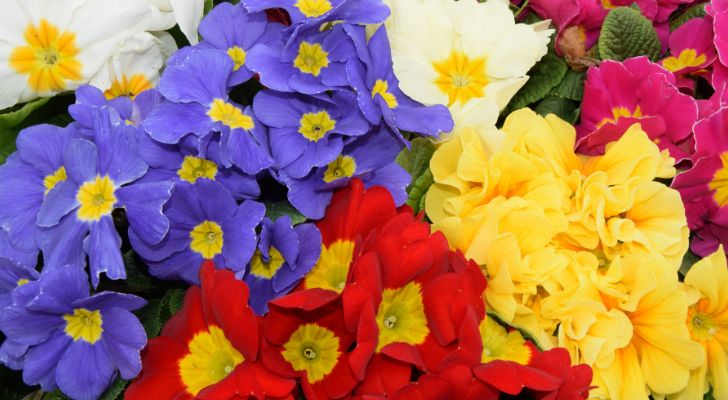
{"points": [[314, 346], [209, 349]]}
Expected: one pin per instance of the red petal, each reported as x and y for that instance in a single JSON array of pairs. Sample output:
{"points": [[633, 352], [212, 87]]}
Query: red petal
{"points": [[159, 378], [384, 376], [510, 377], [189, 320], [306, 300]]}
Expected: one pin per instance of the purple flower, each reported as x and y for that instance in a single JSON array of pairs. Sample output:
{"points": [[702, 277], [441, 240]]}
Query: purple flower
{"points": [[285, 254], [100, 178], [90, 99], [27, 178], [75, 342], [232, 29], [195, 89], [205, 223], [185, 162], [313, 63], [378, 92], [369, 158], [308, 131], [7, 250], [311, 14], [12, 275]]}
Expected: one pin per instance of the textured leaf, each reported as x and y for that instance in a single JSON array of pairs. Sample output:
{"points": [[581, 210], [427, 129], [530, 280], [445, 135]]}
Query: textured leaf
{"points": [[565, 109], [114, 391], [696, 11], [543, 77], [171, 303], [626, 33], [417, 159], [20, 113], [150, 317], [571, 87], [274, 210], [137, 279], [418, 189]]}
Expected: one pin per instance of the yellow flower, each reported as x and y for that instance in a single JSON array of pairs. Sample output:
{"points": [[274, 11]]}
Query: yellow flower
{"points": [[708, 324]]}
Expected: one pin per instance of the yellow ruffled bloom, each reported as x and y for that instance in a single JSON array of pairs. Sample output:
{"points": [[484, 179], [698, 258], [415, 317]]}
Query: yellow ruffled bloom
{"points": [[708, 324]]}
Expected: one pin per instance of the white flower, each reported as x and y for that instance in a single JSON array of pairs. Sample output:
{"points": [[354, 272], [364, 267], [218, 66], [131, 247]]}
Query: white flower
{"points": [[135, 67], [50, 46], [453, 53], [185, 13]]}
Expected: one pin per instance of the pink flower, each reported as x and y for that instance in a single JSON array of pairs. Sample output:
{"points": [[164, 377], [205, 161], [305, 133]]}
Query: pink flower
{"points": [[704, 187], [691, 50], [618, 95], [655, 10], [587, 15], [718, 9]]}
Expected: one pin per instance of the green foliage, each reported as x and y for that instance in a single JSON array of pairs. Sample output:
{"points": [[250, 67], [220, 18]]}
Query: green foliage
{"points": [[689, 259], [18, 114], [696, 11], [417, 162], [565, 109], [571, 87], [543, 77], [276, 209], [626, 33], [115, 391]]}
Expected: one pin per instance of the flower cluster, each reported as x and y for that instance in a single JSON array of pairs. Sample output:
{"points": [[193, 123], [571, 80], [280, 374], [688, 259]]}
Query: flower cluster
{"points": [[385, 302]]}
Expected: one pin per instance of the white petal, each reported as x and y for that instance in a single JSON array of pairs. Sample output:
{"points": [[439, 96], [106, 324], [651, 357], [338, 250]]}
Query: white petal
{"points": [[188, 14], [502, 91], [140, 55], [517, 51]]}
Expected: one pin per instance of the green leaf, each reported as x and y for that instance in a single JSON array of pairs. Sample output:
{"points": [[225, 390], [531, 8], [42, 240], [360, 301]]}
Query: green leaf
{"points": [[20, 113], [417, 159], [208, 6], [172, 302], [563, 108], [571, 87], [418, 191], [114, 391], [150, 317], [277, 209], [696, 11], [137, 279], [626, 33], [689, 259], [544, 76], [7, 143], [417, 162]]}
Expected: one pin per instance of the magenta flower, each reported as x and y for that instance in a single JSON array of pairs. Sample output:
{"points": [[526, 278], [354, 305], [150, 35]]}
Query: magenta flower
{"points": [[691, 50], [587, 15], [718, 10], [618, 95], [704, 187]]}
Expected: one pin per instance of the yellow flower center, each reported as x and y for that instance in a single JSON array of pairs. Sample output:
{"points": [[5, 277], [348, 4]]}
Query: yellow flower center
{"points": [[702, 325], [210, 358], [343, 166], [238, 55], [686, 58], [332, 268], [49, 58], [608, 4], [229, 115], [193, 168], [311, 58], [460, 77], [50, 181], [401, 316], [381, 88], [97, 198], [619, 112], [314, 126], [266, 269], [206, 239], [313, 349], [313, 8], [129, 86], [22, 281], [719, 183], [498, 344], [84, 325]]}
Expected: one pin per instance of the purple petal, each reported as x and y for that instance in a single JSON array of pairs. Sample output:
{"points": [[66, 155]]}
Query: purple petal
{"points": [[59, 202], [59, 288], [41, 361], [143, 203], [85, 370], [239, 234], [124, 338], [63, 243], [169, 122], [107, 300], [200, 78], [80, 159], [103, 246]]}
